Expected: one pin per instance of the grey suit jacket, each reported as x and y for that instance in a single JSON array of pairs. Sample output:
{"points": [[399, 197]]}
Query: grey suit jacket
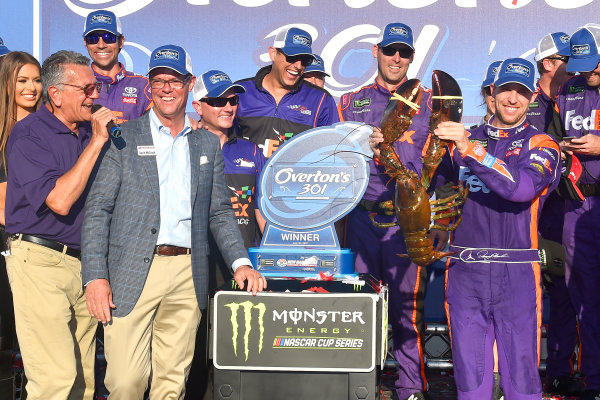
{"points": [[122, 215]]}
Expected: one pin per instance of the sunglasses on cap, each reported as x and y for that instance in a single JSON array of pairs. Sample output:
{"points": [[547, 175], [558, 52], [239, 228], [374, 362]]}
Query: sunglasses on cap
{"points": [[221, 101], [107, 37], [304, 59], [405, 52]]}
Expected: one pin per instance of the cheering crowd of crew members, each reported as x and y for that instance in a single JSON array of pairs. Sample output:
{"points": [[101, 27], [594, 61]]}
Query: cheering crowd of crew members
{"points": [[44, 208]]}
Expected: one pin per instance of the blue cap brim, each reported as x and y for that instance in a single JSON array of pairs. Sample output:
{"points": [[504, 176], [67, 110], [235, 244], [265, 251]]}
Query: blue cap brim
{"points": [[296, 51], [502, 82], [395, 41], [584, 64], [221, 89]]}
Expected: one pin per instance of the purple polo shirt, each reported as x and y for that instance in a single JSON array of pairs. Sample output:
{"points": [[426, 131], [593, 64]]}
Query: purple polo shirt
{"points": [[40, 150]]}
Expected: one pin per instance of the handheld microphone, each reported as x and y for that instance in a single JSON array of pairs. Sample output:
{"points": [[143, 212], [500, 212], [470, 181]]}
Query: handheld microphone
{"points": [[114, 130]]}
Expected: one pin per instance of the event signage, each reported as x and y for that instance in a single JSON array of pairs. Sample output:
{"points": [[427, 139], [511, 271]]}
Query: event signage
{"points": [[295, 331]]}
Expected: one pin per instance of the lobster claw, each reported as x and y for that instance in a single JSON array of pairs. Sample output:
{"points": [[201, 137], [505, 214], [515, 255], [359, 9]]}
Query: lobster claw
{"points": [[446, 102], [412, 93]]}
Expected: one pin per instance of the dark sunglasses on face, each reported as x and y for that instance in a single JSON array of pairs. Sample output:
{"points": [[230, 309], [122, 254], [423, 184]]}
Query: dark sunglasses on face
{"points": [[304, 59], [561, 58], [221, 101], [107, 37], [405, 52], [88, 89]]}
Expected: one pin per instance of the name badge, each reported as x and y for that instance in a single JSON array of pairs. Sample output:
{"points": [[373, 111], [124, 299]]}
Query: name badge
{"points": [[146, 151], [203, 160]]}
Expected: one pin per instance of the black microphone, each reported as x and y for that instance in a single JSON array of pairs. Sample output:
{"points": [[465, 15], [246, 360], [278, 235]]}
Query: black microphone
{"points": [[114, 130]]}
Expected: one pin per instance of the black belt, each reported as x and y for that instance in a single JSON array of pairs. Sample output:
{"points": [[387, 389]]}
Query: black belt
{"points": [[381, 208], [51, 244]]}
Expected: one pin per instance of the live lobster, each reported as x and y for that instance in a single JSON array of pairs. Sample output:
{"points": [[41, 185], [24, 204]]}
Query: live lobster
{"points": [[411, 204]]}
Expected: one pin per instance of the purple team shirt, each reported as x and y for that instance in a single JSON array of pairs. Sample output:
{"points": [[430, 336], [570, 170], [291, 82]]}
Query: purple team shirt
{"points": [[40, 150]]}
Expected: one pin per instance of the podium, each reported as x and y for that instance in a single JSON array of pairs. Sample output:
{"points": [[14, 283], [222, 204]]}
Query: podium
{"points": [[303, 339]]}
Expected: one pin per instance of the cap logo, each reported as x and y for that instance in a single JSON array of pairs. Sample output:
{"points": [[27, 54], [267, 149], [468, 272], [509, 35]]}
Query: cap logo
{"points": [[216, 78], [301, 40], [495, 70], [168, 54], [580, 49], [1, 42], [565, 39], [316, 62], [520, 69], [101, 19], [398, 30]]}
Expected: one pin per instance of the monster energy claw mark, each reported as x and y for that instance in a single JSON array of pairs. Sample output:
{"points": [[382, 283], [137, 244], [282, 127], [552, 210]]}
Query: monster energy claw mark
{"points": [[247, 307]]}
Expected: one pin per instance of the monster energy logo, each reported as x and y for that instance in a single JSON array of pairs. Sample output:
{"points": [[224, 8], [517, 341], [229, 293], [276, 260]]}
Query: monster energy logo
{"points": [[247, 307]]}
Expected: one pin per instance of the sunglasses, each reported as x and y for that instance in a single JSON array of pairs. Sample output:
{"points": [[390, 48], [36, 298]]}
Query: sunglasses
{"points": [[390, 51], [304, 59], [561, 58], [107, 37], [221, 101], [88, 89]]}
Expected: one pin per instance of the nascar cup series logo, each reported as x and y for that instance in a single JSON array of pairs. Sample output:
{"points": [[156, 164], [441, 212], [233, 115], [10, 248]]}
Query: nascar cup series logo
{"points": [[248, 310], [521, 69], [301, 40], [580, 49], [167, 54]]}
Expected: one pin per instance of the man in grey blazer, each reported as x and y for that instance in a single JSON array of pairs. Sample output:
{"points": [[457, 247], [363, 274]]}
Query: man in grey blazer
{"points": [[144, 240]]}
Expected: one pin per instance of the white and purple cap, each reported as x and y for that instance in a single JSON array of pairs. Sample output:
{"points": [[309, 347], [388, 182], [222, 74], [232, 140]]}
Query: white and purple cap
{"points": [[490, 73], [516, 70], [316, 66], [293, 41], [3, 49], [585, 45], [214, 83], [551, 44], [173, 57], [102, 20], [396, 33]]}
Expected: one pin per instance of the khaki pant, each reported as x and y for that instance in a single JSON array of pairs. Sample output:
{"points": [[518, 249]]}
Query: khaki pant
{"points": [[55, 330], [157, 338]]}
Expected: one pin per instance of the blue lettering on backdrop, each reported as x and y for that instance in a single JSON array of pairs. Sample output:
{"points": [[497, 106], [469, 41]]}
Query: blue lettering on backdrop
{"points": [[460, 37]]}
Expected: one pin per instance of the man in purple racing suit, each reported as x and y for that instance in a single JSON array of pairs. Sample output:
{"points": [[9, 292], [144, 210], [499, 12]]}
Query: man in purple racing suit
{"points": [[578, 104], [493, 280], [377, 248], [126, 94]]}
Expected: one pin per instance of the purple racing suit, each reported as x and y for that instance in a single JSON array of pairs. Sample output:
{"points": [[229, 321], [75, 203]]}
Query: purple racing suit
{"points": [[377, 249], [493, 286], [562, 333], [268, 124], [127, 95], [579, 107]]}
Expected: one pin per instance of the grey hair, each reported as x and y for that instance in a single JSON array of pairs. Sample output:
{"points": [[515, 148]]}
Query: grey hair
{"points": [[53, 70]]}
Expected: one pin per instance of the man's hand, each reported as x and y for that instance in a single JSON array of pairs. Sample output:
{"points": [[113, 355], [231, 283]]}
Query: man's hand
{"points": [[375, 140], [98, 297], [588, 145], [99, 120], [455, 132], [256, 282], [442, 238]]}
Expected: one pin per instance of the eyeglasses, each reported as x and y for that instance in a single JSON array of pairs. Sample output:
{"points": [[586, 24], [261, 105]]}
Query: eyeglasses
{"points": [[88, 89], [304, 59], [561, 58], [107, 37], [221, 101], [173, 83], [390, 51]]}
